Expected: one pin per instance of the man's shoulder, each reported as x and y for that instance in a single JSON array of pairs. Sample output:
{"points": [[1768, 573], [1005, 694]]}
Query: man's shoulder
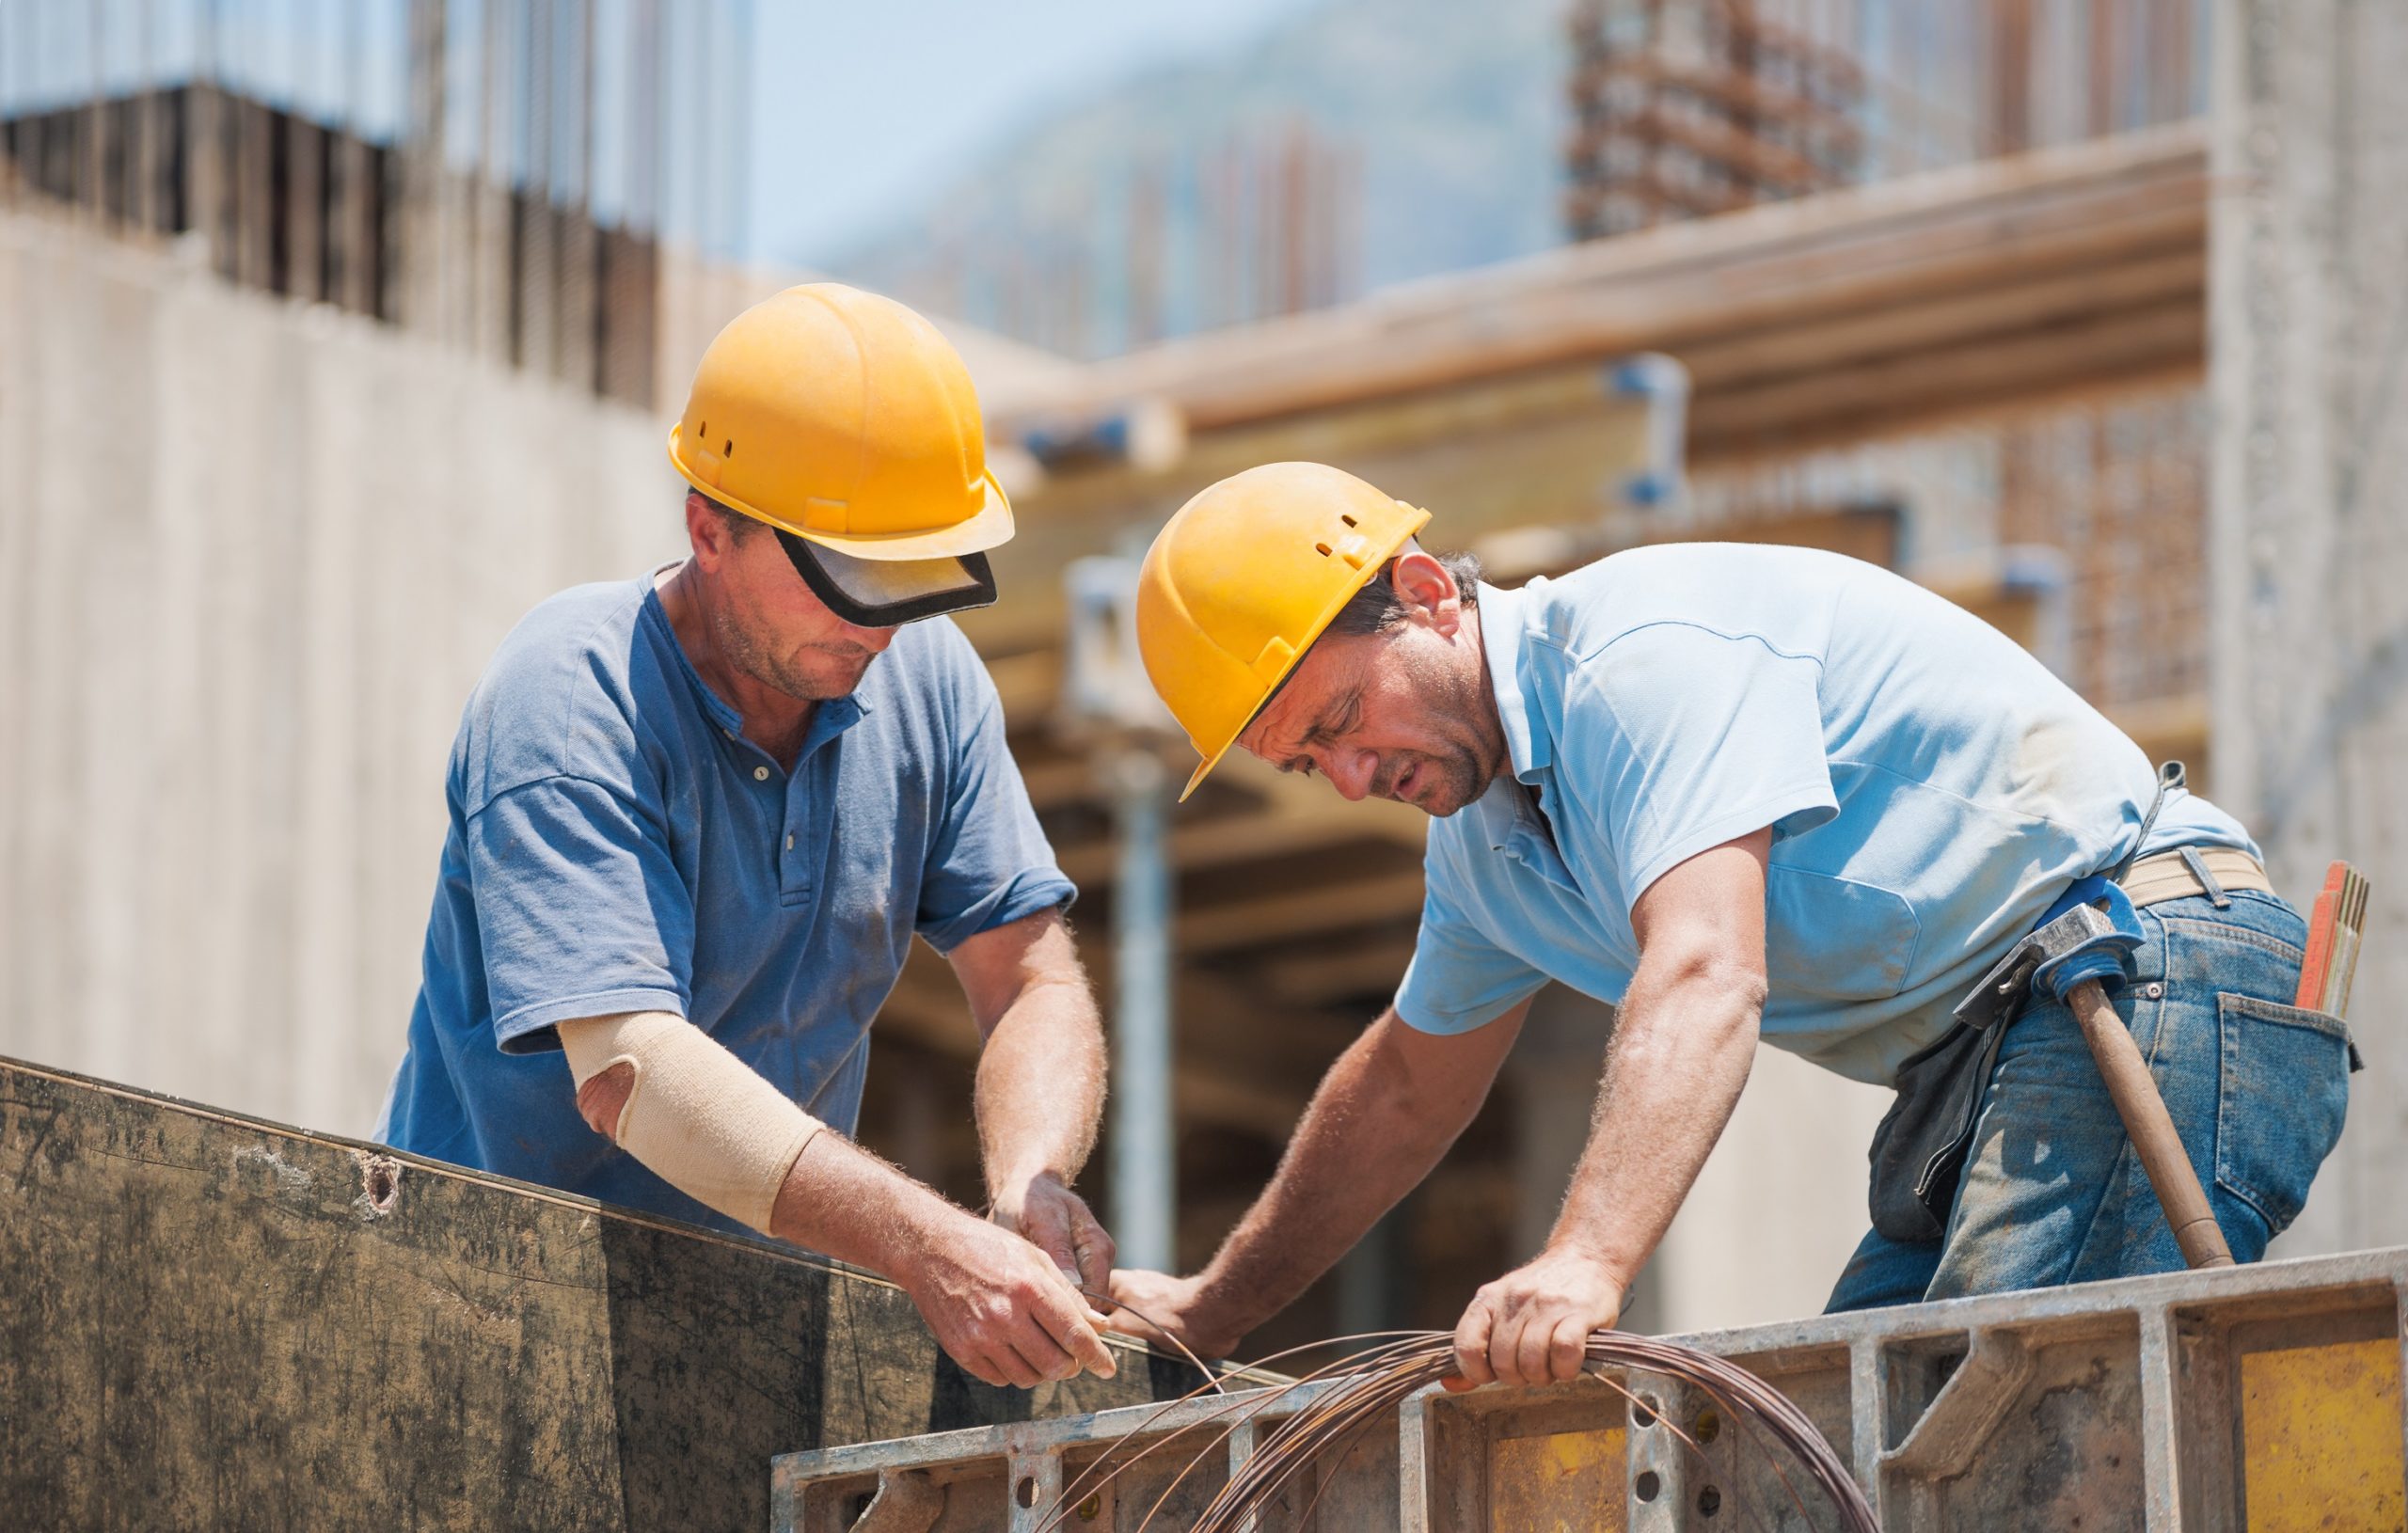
{"points": [[583, 622], [1731, 589], [557, 696]]}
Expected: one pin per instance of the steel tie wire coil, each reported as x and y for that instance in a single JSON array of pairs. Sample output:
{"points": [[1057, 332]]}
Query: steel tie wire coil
{"points": [[1371, 1386]]}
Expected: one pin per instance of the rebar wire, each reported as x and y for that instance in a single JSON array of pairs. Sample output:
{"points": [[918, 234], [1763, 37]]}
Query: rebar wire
{"points": [[1236, 1412], [1377, 1382]]}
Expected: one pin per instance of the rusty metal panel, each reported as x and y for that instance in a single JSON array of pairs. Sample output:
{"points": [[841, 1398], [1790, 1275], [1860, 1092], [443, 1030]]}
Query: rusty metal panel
{"points": [[2206, 1402], [2321, 1444], [1559, 1482]]}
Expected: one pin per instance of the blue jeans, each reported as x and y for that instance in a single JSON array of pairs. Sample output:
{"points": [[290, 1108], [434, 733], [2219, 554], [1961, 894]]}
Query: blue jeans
{"points": [[2051, 1191]]}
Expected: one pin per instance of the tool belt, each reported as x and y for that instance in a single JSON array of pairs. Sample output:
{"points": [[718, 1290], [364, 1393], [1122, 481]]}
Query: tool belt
{"points": [[1918, 1151]]}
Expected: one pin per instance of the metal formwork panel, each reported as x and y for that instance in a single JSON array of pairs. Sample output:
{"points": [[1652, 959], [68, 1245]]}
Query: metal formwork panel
{"points": [[2266, 1397]]}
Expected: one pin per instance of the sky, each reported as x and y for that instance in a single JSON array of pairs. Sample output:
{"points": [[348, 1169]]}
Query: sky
{"points": [[860, 108], [866, 106]]}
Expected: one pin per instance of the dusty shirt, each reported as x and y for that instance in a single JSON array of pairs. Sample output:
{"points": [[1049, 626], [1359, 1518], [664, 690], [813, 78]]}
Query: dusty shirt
{"points": [[616, 844], [1931, 789]]}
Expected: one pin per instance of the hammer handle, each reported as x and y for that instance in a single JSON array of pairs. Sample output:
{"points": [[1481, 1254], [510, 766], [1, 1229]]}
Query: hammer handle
{"points": [[2150, 1127]]}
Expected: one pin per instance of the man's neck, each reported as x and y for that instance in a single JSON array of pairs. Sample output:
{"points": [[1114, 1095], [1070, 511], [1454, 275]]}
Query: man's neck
{"points": [[1489, 714], [773, 720]]}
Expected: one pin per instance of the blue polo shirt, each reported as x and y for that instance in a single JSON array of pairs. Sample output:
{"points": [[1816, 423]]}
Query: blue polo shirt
{"points": [[1930, 786], [616, 844]]}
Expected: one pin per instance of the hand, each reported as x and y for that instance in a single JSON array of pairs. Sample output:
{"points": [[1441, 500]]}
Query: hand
{"points": [[1167, 1308], [998, 1305], [1532, 1326], [1048, 1215]]}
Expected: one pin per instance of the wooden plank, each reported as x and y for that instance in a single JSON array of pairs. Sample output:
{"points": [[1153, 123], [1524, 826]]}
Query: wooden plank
{"points": [[217, 1322], [1334, 907], [1210, 1087], [1967, 228]]}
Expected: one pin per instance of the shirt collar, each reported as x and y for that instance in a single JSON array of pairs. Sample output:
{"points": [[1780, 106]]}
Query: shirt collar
{"points": [[1503, 615], [829, 718]]}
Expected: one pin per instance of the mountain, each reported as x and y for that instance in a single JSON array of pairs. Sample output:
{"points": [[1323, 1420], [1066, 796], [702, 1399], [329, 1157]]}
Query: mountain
{"points": [[1426, 132]]}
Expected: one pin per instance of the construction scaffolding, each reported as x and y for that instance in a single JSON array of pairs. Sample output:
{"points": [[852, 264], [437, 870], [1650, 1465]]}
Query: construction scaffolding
{"points": [[1685, 107], [1681, 109]]}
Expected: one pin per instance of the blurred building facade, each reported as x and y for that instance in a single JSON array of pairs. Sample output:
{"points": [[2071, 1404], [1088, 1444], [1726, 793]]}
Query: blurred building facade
{"points": [[534, 167]]}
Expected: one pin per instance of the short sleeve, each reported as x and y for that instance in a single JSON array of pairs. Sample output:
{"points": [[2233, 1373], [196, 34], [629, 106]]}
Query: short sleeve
{"points": [[580, 909], [1681, 738], [1458, 979], [989, 863]]}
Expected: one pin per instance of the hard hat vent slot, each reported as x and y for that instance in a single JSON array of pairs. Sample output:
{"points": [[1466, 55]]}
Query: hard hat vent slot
{"points": [[1348, 520], [728, 448], [704, 429], [1322, 548]]}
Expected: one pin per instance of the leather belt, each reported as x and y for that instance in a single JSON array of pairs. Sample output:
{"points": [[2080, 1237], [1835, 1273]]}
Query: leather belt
{"points": [[2212, 871]]}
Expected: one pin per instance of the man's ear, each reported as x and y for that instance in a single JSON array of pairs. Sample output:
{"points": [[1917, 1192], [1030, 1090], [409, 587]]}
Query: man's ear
{"points": [[709, 532], [1429, 593]]}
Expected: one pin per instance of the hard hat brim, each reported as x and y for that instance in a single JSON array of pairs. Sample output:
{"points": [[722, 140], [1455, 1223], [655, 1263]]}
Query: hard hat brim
{"points": [[990, 527], [1412, 526]]}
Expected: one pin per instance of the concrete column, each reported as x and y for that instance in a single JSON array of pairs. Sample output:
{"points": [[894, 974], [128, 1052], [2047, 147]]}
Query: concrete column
{"points": [[2308, 537]]}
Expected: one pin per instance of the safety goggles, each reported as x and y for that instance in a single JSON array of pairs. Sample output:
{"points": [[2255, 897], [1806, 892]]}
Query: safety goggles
{"points": [[887, 593]]}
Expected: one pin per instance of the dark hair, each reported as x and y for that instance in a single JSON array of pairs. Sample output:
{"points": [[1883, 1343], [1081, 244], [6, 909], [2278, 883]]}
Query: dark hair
{"points": [[739, 525], [1376, 609]]}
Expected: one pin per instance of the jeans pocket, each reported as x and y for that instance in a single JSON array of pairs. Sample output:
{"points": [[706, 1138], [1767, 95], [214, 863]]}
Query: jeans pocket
{"points": [[2280, 1099]]}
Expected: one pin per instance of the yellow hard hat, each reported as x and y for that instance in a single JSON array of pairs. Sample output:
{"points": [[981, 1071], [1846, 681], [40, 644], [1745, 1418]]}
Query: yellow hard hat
{"points": [[848, 423], [1241, 580]]}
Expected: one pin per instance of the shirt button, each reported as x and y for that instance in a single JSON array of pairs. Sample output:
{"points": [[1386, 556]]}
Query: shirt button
{"points": [[760, 774], [789, 841], [2156, 990]]}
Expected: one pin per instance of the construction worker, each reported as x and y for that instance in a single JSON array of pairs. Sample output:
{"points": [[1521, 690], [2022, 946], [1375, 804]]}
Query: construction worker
{"points": [[1732, 791], [698, 818]]}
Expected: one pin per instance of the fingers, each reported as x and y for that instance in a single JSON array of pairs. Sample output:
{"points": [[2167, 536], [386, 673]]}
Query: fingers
{"points": [[1532, 1340], [1567, 1349], [1526, 1344], [1030, 1358], [1065, 1325], [1092, 1248], [1044, 1224], [1471, 1345], [976, 1363]]}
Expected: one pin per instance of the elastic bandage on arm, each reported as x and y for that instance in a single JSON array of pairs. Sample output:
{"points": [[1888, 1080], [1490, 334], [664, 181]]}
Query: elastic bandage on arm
{"points": [[696, 1116]]}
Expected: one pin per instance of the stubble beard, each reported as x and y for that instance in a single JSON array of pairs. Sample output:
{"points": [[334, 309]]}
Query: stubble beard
{"points": [[742, 646], [1463, 761]]}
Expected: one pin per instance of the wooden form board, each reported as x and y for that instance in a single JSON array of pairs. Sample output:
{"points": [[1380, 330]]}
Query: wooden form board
{"points": [[212, 1321], [1834, 316]]}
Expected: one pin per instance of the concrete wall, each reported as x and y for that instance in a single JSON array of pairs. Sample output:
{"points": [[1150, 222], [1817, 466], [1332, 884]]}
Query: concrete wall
{"points": [[252, 557], [2309, 520]]}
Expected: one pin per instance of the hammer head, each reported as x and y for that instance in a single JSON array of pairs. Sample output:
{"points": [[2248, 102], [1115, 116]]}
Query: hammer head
{"points": [[2090, 933]]}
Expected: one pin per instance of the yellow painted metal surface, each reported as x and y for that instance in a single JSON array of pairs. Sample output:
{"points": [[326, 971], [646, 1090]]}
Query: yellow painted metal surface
{"points": [[2321, 1439], [1561, 1483]]}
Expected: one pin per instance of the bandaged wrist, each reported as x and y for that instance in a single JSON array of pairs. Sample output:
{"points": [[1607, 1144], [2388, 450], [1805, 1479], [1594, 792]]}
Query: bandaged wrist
{"points": [[695, 1115]]}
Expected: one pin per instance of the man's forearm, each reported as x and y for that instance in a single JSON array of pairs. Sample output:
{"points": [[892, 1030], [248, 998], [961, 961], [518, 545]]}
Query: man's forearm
{"points": [[1682, 1044], [1367, 1139], [1040, 1094], [842, 1201]]}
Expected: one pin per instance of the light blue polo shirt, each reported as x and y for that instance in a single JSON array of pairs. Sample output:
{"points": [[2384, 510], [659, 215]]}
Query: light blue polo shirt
{"points": [[616, 844], [1931, 787]]}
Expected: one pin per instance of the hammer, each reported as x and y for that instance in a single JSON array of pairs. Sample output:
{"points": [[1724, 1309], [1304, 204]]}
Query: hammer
{"points": [[2084, 943]]}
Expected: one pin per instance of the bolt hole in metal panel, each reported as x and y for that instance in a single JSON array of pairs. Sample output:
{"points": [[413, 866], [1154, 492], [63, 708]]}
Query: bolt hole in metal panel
{"points": [[2265, 1398]]}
